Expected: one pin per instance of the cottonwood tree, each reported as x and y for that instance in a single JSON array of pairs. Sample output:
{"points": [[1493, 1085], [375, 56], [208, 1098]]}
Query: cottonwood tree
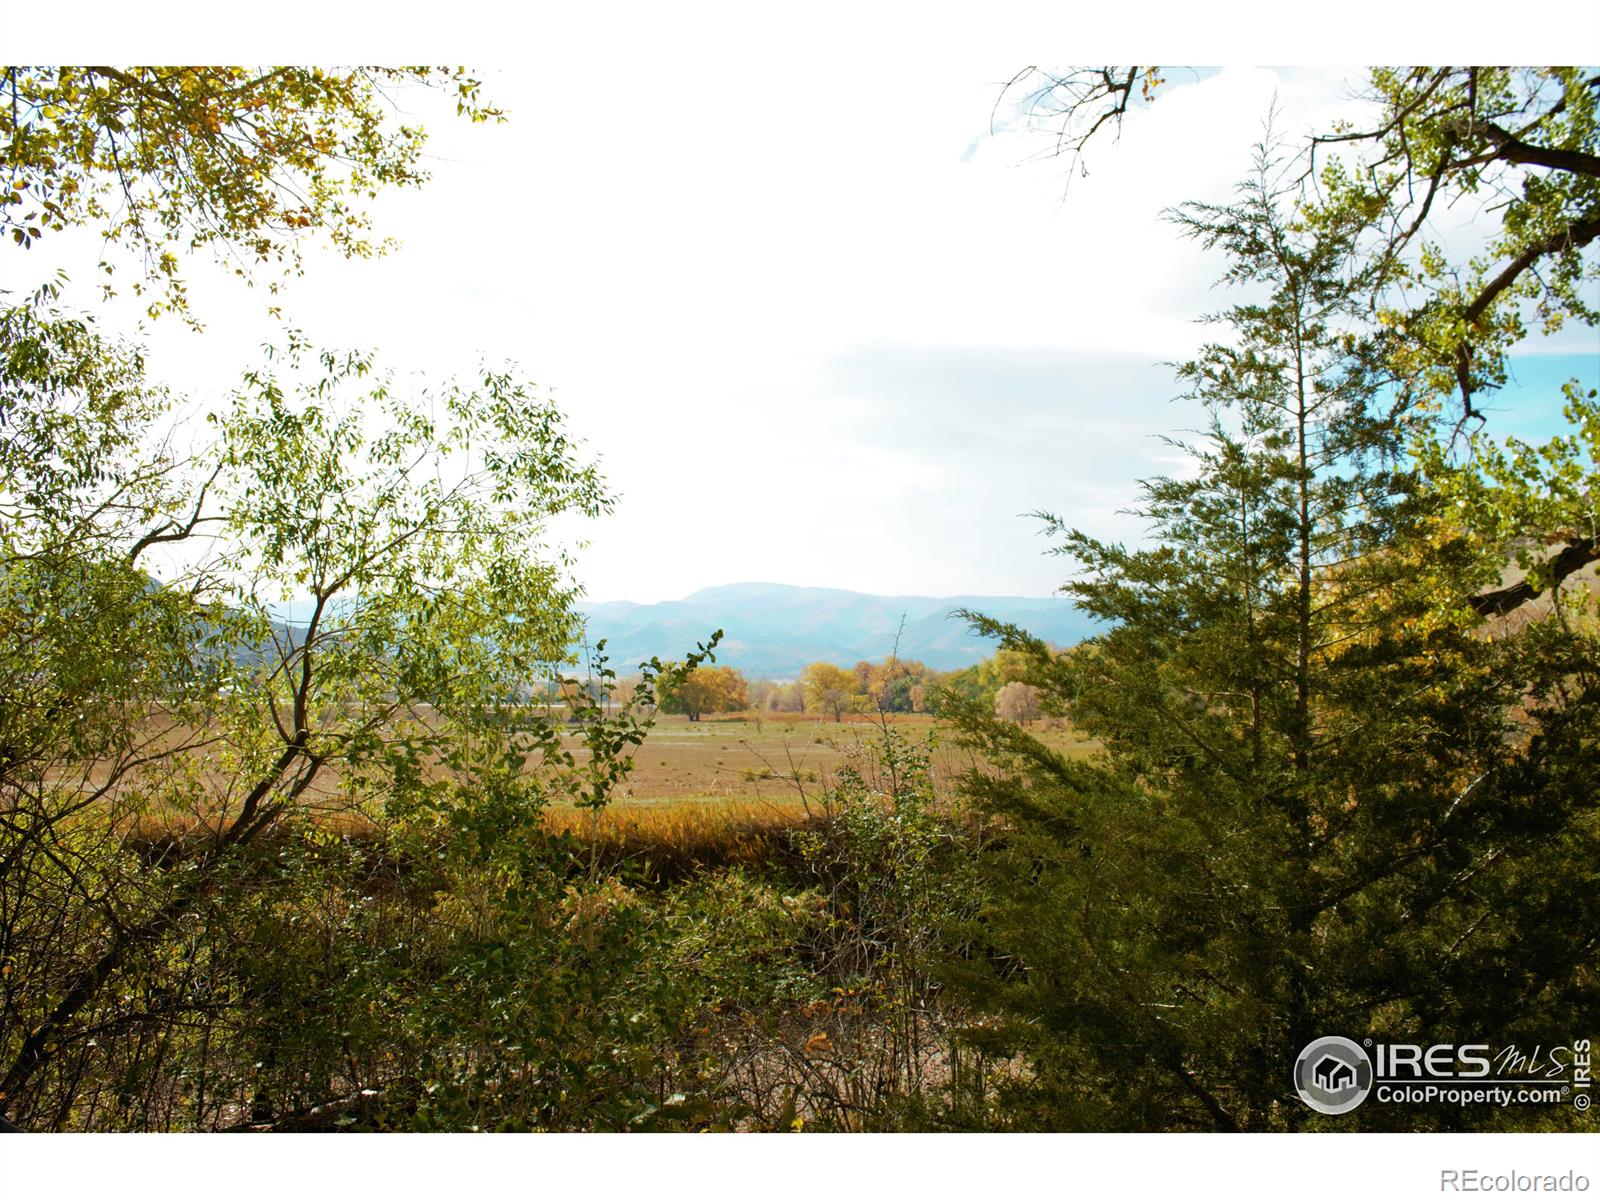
{"points": [[1017, 701], [784, 698], [245, 161], [1329, 801], [706, 689], [890, 684], [982, 681], [828, 689]]}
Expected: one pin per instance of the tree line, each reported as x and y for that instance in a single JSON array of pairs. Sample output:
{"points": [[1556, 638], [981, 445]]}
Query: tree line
{"points": [[833, 692]]}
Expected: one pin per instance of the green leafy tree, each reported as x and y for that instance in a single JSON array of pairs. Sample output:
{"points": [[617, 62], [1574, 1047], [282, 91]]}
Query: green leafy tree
{"points": [[1329, 801], [982, 681], [166, 722], [1524, 140], [1524, 143], [246, 161], [413, 525]]}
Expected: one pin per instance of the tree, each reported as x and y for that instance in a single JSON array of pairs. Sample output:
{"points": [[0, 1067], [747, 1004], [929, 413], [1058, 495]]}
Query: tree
{"points": [[706, 689], [1524, 141], [1018, 702], [414, 527], [890, 684], [1520, 143], [167, 725], [982, 681], [827, 689], [784, 697], [1329, 802], [244, 160]]}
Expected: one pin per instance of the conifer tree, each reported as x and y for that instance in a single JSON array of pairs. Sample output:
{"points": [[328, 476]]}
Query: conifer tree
{"points": [[1332, 799]]}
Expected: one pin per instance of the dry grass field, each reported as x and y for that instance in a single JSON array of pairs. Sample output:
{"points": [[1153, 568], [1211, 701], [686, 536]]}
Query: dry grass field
{"points": [[720, 791], [785, 760], [725, 789]]}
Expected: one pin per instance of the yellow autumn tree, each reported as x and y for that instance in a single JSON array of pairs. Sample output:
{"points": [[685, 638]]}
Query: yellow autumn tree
{"points": [[707, 689], [828, 689]]}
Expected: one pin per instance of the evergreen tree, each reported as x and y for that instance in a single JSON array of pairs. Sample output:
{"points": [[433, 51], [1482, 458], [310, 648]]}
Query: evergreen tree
{"points": [[1332, 800]]}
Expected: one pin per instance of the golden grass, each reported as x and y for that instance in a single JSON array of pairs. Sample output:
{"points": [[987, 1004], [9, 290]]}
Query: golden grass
{"points": [[701, 794], [675, 839]]}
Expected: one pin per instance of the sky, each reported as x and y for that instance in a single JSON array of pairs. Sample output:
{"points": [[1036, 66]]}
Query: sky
{"points": [[820, 319]]}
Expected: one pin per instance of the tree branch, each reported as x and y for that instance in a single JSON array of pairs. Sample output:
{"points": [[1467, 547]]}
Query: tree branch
{"points": [[1576, 555], [1510, 148], [1574, 237]]}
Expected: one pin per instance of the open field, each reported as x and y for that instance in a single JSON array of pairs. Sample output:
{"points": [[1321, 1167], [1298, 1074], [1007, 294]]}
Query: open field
{"points": [[720, 791], [724, 790], [747, 760], [784, 760]]}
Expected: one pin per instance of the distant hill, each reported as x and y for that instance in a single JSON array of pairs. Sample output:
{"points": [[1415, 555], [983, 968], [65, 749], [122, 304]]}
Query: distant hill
{"points": [[772, 630]]}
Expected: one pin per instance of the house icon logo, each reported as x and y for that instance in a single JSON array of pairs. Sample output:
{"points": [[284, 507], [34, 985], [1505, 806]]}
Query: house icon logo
{"points": [[1333, 1075]]}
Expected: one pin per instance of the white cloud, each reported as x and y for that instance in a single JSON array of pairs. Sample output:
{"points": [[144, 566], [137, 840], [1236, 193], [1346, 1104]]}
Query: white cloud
{"points": [[686, 231]]}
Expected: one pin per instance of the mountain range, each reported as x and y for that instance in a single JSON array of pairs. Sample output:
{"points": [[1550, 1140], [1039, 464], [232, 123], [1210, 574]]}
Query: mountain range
{"points": [[772, 630]]}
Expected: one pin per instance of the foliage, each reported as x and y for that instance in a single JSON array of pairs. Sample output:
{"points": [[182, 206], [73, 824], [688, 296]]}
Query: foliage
{"points": [[893, 864], [706, 689], [288, 841], [828, 689], [888, 685], [242, 160], [327, 612], [1520, 143], [1330, 802], [151, 676], [1524, 141], [187, 938], [1017, 701], [190, 699], [894, 685], [981, 682], [550, 1000]]}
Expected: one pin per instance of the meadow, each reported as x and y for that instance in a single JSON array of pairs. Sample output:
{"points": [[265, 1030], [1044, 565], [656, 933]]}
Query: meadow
{"points": [[784, 759], [726, 789]]}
